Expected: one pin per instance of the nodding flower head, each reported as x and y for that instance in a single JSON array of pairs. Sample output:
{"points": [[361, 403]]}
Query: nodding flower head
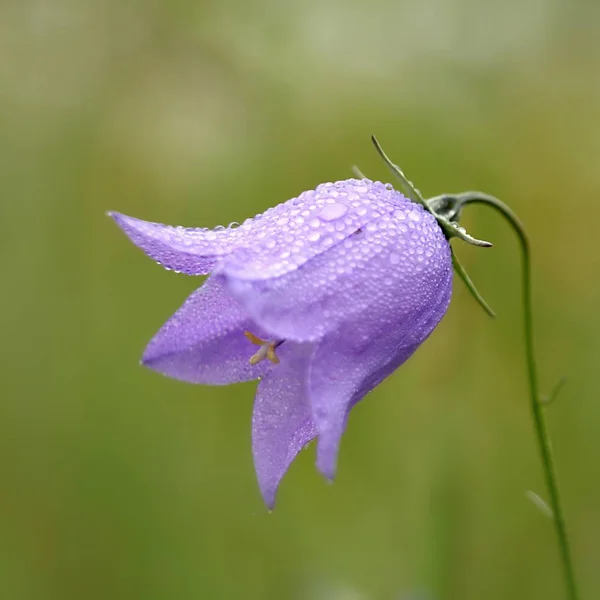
{"points": [[320, 299]]}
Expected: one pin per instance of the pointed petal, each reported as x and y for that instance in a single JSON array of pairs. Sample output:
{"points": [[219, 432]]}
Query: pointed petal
{"points": [[204, 341], [281, 422], [187, 250], [351, 361], [382, 272]]}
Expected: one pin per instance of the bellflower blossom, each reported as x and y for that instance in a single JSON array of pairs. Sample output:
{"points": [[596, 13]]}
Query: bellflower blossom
{"points": [[320, 299]]}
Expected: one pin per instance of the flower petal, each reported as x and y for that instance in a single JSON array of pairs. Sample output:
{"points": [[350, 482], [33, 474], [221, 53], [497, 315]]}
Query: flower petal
{"points": [[186, 250], [281, 422], [204, 341], [307, 226], [351, 361], [385, 271]]}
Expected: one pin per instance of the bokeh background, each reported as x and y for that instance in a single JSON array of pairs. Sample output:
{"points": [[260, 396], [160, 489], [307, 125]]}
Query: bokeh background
{"points": [[118, 483]]}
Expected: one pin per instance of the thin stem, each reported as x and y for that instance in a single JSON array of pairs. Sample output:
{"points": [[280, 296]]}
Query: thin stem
{"points": [[537, 409]]}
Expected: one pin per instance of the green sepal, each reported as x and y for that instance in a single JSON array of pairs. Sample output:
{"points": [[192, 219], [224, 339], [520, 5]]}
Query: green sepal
{"points": [[446, 209]]}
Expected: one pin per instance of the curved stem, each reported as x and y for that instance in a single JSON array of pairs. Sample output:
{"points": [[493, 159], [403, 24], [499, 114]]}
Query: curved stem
{"points": [[537, 408]]}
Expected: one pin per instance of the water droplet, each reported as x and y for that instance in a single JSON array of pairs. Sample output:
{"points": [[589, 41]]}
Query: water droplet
{"points": [[414, 215], [394, 258], [334, 211], [282, 221], [314, 236], [315, 223]]}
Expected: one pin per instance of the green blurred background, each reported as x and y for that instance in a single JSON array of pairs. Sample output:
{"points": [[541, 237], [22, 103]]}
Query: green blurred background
{"points": [[118, 483]]}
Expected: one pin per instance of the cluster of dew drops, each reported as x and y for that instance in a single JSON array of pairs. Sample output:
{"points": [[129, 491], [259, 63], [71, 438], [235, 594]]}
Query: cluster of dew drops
{"points": [[332, 213]]}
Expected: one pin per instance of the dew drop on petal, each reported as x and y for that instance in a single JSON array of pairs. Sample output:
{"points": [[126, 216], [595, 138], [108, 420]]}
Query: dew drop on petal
{"points": [[334, 211], [314, 236]]}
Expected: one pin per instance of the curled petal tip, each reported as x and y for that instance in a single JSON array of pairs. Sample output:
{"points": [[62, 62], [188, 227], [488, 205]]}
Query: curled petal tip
{"points": [[326, 468], [145, 361], [116, 216], [268, 496], [328, 475]]}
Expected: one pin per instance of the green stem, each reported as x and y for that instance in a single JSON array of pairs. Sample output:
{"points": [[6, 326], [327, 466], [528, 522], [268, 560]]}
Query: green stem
{"points": [[537, 409]]}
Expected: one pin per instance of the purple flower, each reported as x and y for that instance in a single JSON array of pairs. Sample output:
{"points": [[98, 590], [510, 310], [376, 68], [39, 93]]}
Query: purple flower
{"points": [[321, 298]]}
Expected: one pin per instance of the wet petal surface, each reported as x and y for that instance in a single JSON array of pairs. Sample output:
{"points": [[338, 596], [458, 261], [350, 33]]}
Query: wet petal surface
{"points": [[205, 341], [193, 251], [386, 270], [307, 226], [281, 422], [351, 361]]}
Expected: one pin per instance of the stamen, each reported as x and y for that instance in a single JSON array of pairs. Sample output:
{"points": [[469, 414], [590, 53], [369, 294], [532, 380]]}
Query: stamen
{"points": [[266, 350]]}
